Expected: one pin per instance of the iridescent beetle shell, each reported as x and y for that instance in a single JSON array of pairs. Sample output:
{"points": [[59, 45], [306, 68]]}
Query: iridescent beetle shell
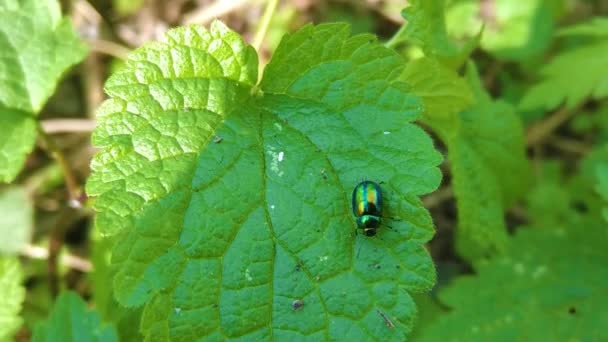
{"points": [[367, 206]]}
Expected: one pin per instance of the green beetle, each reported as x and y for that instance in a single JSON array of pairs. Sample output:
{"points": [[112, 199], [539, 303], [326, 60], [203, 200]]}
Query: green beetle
{"points": [[367, 206]]}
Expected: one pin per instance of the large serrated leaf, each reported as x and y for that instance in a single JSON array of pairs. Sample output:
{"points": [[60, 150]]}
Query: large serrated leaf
{"points": [[37, 46], [486, 150], [550, 282], [233, 211]]}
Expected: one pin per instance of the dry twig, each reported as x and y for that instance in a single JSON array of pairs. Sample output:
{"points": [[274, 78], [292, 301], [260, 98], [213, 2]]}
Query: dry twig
{"points": [[538, 132], [218, 9], [54, 126]]}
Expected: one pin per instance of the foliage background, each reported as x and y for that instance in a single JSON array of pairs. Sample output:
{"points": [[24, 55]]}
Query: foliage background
{"points": [[520, 214]]}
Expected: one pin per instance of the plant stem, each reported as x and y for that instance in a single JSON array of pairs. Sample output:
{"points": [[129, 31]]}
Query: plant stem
{"points": [[52, 126], [71, 184], [397, 38], [271, 6], [109, 48], [68, 260], [536, 133]]}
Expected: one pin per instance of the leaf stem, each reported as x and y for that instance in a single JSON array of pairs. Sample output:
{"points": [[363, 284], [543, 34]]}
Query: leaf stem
{"points": [[397, 39], [74, 193], [271, 6], [538, 132], [53, 126], [68, 260], [109, 48]]}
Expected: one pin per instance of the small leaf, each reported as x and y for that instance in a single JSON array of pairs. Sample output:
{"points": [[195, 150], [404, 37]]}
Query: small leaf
{"points": [[70, 320], [514, 30], [16, 220], [13, 294], [426, 28], [38, 46], [443, 92], [230, 204], [17, 140], [571, 77]]}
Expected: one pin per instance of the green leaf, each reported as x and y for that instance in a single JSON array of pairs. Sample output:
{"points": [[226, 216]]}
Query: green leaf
{"points": [[426, 28], [231, 204], [597, 26], [443, 92], [489, 169], [548, 202], [550, 285], [37, 46], [571, 77], [16, 220], [429, 311], [13, 294], [555, 201], [16, 142], [70, 320], [601, 172], [126, 320], [602, 185], [514, 30]]}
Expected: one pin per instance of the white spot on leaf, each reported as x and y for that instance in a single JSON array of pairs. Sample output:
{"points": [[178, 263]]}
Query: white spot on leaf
{"points": [[248, 275], [274, 161], [281, 155]]}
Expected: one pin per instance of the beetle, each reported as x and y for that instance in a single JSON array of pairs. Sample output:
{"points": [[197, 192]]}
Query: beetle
{"points": [[367, 206]]}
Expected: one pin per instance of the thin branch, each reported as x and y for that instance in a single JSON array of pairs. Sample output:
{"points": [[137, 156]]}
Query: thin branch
{"points": [[93, 78], [538, 132], [569, 145], [397, 39], [271, 7], [87, 10], [217, 9], [54, 126], [74, 193], [110, 48], [69, 260]]}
